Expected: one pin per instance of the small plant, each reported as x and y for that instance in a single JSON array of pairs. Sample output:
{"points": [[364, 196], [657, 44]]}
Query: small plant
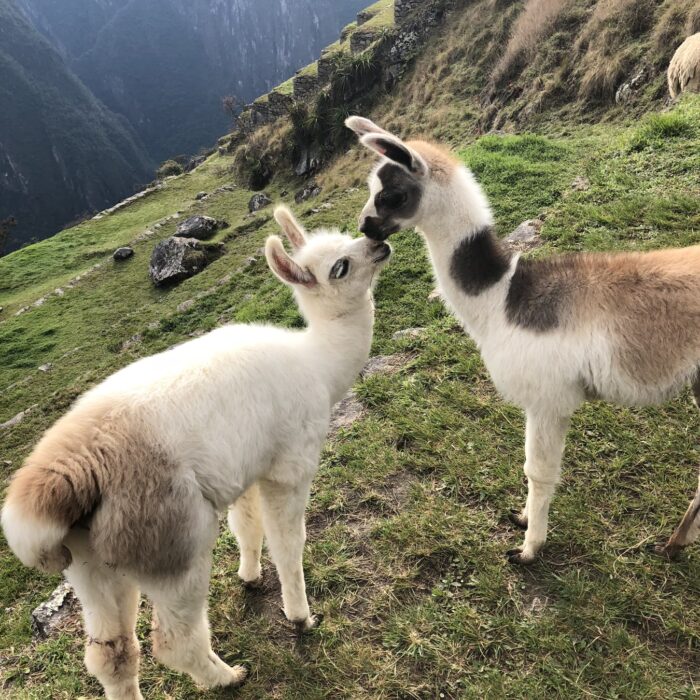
{"points": [[658, 128], [168, 168]]}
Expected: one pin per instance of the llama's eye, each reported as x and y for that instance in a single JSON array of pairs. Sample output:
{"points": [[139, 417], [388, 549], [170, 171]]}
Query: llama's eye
{"points": [[392, 200], [340, 269]]}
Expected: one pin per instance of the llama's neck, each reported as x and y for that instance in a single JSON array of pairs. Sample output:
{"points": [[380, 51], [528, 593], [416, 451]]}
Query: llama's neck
{"points": [[471, 265], [341, 345]]}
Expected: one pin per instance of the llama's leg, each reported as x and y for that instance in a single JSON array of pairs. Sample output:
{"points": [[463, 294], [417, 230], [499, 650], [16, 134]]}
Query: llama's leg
{"points": [[245, 521], [544, 446], [687, 532], [181, 628], [283, 509], [110, 603]]}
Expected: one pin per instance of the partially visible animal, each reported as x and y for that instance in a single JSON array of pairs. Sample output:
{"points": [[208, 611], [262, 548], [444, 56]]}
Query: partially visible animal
{"points": [[552, 332], [684, 68], [123, 492]]}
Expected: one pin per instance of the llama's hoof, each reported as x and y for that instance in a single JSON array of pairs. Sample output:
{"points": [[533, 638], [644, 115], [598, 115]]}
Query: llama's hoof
{"points": [[670, 552], [310, 623], [253, 585], [517, 556], [518, 519], [238, 676]]}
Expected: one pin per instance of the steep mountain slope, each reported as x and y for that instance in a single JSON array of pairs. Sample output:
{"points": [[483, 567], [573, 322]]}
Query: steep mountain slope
{"points": [[166, 64], [62, 152], [407, 523]]}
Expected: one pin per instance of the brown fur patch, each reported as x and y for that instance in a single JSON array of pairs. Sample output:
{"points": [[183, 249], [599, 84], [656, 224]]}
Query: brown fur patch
{"points": [[647, 303], [441, 162], [95, 468], [652, 303]]}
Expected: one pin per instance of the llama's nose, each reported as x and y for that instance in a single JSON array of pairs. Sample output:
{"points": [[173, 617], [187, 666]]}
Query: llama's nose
{"points": [[369, 227]]}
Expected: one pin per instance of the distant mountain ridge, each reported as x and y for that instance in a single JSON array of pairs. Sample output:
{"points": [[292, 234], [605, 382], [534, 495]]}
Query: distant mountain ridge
{"points": [[96, 92], [166, 64], [62, 152]]}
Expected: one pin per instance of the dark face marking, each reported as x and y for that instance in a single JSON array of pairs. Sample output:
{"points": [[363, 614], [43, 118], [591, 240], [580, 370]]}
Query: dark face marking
{"points": [[479, 262], [398, 200], [399, 155], [541, 291]]}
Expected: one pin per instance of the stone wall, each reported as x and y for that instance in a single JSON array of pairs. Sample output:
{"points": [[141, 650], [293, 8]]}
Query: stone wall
{"points": [[404, 8], [326, 68], [414, 20], [361, 40], [305, 87]]}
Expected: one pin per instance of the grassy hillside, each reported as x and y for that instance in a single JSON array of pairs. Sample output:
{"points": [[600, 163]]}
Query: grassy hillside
{"points": [[407, 524]]}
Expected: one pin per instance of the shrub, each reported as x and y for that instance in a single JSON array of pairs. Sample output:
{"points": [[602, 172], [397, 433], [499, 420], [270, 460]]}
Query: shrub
{"points": [[168, 168], [657, 128], [535, 21]]}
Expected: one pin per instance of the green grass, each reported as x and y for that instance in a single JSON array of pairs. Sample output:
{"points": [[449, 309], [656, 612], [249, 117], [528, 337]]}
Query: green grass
{"points": [[407, 522]]}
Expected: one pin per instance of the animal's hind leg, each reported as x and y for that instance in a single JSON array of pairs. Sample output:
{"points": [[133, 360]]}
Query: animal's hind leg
{"points": [[688, 530], [181, 628], [695, 386], [110, 603], [245, 521]]}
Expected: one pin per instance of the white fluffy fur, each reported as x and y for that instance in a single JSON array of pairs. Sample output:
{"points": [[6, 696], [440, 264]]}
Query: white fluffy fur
{"points": [[243, 412]]}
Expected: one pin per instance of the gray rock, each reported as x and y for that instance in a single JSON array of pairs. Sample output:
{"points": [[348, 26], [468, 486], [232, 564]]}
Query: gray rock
{"points": [[408, 333], [307, 192], [308, 160], [526, 236], [185, 306], [346, 412], [580, 184], [200, 195], [123, 253], [384, 364], [47, 616], [45, 368], [15, 420], [175, 259], [626, 91], [199, 227], [258, 201]]}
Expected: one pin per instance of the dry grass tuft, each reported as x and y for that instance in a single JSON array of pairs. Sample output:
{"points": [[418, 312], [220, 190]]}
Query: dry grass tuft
{"points": [[679, 19], [536, 21], [606, 45]]}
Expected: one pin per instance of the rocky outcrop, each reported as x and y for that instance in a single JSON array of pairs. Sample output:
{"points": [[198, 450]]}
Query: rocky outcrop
{"points": [[404, 8], [313, 189], [175, 259], [258, 201], [199, 227]]}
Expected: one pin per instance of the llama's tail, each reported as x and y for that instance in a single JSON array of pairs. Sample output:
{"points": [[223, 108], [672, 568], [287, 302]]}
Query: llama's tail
{"points": [[43, 502]]}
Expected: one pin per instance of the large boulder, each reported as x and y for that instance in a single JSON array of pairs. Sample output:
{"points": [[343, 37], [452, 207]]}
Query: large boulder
{"points": [[175, 259], [199, 227], [258, 201]]}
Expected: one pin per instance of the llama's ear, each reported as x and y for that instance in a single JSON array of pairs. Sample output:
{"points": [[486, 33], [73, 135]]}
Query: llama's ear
{"points": [[362, 126], [284, 267], [397, 151], [291, 227]]}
